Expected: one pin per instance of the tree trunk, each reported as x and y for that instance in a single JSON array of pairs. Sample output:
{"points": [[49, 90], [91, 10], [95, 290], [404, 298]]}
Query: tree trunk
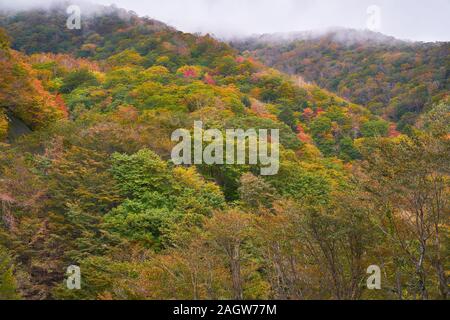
{"points": [[443, 282], [235, 266], [421, 273]]}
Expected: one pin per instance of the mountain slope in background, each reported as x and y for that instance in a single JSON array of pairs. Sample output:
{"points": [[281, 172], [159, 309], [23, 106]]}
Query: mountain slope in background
{"points": [[396, 79]]}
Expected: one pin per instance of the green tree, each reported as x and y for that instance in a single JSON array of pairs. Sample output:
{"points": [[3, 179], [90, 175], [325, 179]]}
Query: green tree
{"points": [[348, 151], [376, 128], [141, 172], [437, 120], [4, 41], [8, 285], [287, 116], [76, 79]]}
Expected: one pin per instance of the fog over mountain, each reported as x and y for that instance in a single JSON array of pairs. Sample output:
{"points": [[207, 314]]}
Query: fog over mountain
{"points": [[340, 35], [403, 19]]}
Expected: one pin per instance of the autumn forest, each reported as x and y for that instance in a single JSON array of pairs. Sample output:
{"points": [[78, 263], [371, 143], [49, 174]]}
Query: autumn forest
{"points": [[87, 178]]}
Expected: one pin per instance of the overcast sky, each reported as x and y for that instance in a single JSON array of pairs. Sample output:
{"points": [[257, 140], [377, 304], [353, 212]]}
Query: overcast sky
{"points": [[423, 20]]}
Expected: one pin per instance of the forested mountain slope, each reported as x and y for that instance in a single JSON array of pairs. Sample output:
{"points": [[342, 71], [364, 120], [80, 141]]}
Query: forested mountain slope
{"points": [[93, 185], [397, 79], [22, 94], [126, 47]]}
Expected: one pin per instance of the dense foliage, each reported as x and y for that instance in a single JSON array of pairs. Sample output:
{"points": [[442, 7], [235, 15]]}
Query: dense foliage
{"points": [[397, 79], [92, 183]]}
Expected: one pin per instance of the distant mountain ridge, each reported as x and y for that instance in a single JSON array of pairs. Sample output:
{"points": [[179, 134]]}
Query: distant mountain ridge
{"points": [[395, 78]]}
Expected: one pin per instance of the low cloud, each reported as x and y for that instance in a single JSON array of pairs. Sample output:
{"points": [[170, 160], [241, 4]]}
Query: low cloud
{"points": [[404, 19]]}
